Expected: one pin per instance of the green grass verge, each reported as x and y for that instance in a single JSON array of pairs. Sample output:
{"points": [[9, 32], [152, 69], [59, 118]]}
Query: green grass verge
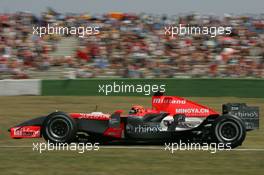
{"points": [[117, 161]]}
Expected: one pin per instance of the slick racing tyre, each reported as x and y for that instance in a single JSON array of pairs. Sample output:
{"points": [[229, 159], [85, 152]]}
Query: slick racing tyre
{"points": [[229, 130], [58, 127]]}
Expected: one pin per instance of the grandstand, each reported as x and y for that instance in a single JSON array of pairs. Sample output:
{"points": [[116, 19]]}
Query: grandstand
{"points": [[130, 46]]}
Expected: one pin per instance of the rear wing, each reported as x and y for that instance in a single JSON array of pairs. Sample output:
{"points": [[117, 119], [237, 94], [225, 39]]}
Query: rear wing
{"points": [[248, 114]]}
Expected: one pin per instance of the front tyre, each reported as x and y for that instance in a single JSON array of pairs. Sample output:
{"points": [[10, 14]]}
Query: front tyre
{"points": [[229, 130], [58, 127]]}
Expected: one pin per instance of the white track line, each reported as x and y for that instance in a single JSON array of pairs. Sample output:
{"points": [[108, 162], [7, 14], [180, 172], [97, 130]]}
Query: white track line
{"points": [[133, 147], [248, 149], [139, 148]]}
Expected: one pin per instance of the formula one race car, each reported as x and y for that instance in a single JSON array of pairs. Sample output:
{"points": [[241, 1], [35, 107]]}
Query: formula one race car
{"points": [[170, 118]]}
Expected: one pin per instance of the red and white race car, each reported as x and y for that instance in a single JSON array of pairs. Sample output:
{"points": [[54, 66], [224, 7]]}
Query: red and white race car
{"points": [[171, 118]]}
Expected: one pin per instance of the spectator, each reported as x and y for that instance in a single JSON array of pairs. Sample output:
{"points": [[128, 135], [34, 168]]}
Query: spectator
{"points": [[134, 46]]}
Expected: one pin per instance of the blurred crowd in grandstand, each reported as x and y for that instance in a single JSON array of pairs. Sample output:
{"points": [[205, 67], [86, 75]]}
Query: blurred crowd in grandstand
{"points": [[132, 45]]}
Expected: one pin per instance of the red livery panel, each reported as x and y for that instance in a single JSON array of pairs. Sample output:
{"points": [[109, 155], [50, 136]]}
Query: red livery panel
{"points": [[25, 132], [178, 105], [90, 116]]}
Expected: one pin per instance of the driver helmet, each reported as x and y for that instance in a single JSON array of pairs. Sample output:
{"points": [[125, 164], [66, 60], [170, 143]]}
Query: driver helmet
{"points": [[136, 109]]}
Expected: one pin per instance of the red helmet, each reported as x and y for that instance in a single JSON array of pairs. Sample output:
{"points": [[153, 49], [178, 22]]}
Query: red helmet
{"points": [[136, 109]]}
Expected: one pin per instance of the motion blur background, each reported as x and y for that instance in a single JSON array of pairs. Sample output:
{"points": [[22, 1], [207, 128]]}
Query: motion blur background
{"points": [[131, 43]]}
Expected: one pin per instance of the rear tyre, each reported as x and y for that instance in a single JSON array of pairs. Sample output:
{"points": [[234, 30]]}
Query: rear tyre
{"points": [[58, 127], [229, 130]]}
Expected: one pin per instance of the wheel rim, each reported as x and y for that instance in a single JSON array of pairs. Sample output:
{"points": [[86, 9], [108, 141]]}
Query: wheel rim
{"points": [[59, 128], [228, 131]]}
